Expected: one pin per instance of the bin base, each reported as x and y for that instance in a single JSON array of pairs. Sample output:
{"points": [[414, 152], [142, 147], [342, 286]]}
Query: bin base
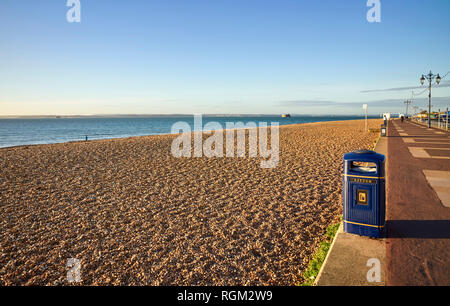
{"points": [[364, 230]]}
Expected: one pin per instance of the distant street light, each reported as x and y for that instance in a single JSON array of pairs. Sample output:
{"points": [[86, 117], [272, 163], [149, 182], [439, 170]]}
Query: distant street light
{"points": [[430, 77], [407, 102]]}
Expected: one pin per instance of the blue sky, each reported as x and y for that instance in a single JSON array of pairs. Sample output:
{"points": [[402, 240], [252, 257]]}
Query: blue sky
{"points": [[219, 56]]}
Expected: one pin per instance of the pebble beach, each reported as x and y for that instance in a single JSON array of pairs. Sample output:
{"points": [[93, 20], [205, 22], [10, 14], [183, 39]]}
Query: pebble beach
{"points": [[133, 214]]}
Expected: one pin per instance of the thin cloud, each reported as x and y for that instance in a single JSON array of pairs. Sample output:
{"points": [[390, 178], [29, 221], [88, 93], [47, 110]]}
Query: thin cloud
{"points": [[443, 84], [436, 101], [307, 103]]}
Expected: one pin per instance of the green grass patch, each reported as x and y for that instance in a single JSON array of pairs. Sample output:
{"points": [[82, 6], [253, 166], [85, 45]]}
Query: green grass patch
{"points": [[319, 257]]}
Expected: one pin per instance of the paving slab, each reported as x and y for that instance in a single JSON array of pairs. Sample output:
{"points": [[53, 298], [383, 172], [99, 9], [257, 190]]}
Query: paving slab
{"points": [[440, 182], [350, 260]]}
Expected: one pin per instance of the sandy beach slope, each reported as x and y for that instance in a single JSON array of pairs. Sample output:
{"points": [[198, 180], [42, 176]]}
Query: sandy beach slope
{"points": [[135, 215]]}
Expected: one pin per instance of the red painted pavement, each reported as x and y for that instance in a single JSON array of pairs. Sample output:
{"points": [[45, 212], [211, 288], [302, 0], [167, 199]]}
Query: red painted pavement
{"points": [[418, 225]]}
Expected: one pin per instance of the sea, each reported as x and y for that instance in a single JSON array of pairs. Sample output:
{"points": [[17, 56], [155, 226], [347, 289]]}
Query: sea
{"points": [[31, 131]]}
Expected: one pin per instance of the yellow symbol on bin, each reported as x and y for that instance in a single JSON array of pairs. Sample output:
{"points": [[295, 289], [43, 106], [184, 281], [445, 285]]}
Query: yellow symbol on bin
{"points": [[362, 197]]}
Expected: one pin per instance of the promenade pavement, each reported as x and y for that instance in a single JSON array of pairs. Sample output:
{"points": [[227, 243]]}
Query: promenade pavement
{"points": [[418, 205]]}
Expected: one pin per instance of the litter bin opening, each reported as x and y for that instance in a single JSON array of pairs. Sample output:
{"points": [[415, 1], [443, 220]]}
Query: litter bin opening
{"points": [[363, 167]]}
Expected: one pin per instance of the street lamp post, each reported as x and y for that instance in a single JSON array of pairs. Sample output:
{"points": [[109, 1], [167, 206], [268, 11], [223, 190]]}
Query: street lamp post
{"points": [[407, 102], [430, 77]]}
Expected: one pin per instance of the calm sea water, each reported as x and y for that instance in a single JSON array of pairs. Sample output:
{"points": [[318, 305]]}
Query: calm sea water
{"points": [[14, 132]]}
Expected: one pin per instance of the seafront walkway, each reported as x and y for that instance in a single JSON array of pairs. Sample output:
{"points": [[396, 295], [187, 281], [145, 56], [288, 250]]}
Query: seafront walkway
{"points": [[418, 205], [416, 250]]}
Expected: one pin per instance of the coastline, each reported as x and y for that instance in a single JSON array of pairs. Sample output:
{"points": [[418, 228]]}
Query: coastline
{"points": [[151, 135]]}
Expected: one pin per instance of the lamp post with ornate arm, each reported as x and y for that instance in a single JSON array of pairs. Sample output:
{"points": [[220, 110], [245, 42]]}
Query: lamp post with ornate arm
{"points": [[430, 77]]}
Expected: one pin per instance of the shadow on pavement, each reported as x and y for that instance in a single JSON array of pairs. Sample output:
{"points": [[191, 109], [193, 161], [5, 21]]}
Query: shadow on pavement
{"points": [[432, 229]]}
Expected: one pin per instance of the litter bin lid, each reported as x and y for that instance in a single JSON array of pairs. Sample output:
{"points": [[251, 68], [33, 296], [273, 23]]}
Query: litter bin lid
{"points": [[364, 155], [364, 152]]}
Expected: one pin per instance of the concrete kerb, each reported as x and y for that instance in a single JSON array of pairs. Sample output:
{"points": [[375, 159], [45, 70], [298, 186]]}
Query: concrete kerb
{"points": [[341, 228]]}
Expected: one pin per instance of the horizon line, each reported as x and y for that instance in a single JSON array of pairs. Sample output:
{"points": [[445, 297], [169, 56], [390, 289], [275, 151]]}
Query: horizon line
{"points": [[181, 115]]}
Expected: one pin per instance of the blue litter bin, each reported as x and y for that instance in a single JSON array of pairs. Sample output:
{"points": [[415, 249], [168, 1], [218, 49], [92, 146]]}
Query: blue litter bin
{"points": [[364, 193]]}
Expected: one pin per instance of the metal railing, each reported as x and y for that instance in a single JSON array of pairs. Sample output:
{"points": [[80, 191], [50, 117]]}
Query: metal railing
{"points": [[441, 124]]}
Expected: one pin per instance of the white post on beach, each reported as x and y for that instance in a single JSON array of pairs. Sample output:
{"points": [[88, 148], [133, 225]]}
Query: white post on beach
{"points": [[365, 108]]}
